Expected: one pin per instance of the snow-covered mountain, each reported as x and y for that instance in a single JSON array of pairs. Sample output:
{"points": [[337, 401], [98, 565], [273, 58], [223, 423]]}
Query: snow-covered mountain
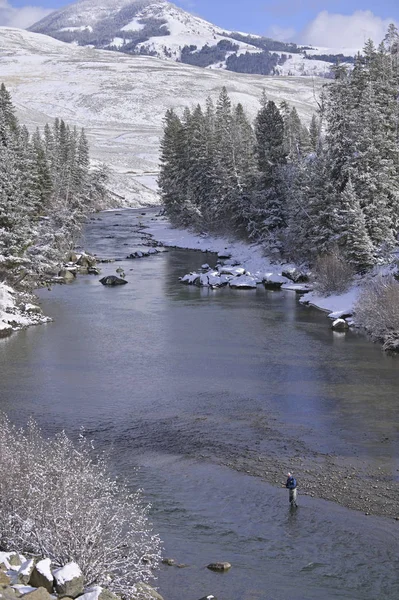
{"points": [[121, 100], [159, 28]]}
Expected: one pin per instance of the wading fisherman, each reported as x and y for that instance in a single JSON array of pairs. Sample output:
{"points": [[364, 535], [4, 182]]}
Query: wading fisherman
{"points": [[291, 486]]}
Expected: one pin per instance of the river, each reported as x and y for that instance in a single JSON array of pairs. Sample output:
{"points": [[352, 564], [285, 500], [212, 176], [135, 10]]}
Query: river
{"points": [[194, 390]]}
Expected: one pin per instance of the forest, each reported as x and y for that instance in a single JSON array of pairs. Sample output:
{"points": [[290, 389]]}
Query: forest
{"points": [[302, 190], [47, 188]]}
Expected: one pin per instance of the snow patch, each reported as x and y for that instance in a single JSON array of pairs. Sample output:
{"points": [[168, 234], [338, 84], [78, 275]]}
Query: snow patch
{"points": [[67, 573]]}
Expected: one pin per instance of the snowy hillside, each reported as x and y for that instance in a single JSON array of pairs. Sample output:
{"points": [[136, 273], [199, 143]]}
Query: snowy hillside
{"points": [[161, 29], [121, 100]]}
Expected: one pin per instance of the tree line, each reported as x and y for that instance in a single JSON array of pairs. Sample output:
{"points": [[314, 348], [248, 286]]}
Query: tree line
{"points": [[302, 191], [46, 190]]}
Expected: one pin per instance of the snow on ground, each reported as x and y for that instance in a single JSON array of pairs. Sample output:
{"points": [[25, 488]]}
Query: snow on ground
{"points": [[15, 313], [298, 65], [337, 305], [121, 100], [67, 573]]}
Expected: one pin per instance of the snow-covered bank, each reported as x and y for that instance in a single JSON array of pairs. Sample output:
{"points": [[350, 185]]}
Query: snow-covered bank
{"points": [[18, 311], [250, 257]]}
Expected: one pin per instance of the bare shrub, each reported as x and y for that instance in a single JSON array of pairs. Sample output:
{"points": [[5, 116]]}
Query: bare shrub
{"points": [[57, 502], [377, 308], [332, 274]]}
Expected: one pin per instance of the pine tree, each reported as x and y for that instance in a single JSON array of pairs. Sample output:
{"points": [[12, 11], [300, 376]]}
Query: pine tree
{"points": [[353, 238]]}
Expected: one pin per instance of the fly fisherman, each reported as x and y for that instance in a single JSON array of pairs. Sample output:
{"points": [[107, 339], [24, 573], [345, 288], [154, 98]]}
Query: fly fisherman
{"points": [[291, 485]]}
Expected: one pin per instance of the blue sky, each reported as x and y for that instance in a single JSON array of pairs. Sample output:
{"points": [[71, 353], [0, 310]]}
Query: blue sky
{"points": [[324, 22]]}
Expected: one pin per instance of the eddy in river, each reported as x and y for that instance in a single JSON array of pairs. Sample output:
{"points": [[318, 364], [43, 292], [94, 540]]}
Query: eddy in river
{"points": [[292, 485]]}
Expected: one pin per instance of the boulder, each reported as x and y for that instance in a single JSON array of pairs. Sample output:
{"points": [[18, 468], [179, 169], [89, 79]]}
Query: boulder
{"points": [[244, 282], [93, 271], [39, 594], [72, 257], [67, 275], [68, 580], [340, 325], [224, 254], [85, 260], [15, 559], [391, 343], [25, 572], [146, 592], [219, 566], [4, 578], [5, 330], [7, 593], [42, 576], [169, 561], [295, 275], [274, 281], [113, 280], [98, 593]]}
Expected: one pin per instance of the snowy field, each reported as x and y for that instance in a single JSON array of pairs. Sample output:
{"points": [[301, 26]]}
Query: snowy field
{"points": [[121, 100]]}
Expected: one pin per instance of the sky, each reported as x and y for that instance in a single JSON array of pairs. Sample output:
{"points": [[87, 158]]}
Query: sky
{"points": [[332, 23]]}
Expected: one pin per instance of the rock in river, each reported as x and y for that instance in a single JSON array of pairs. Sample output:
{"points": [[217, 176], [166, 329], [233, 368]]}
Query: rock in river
{"points": [[219, 566], [112, 280]]}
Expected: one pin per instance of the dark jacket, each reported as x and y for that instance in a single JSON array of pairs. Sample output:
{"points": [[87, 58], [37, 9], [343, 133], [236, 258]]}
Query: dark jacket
{"points": [[291, 483]]}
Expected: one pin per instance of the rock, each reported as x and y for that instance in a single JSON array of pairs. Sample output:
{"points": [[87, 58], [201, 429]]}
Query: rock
{"points": [[21, 590], [4, 559], [230, 270], [295, 275], [32, 309], [85, 260], [224, 254], [25, 572], [98, 593], [145, 592], [273, 281], [391, 343], [67, 275], [219, 566], [93, 271], [340, 325], [42, 576], [15, 559], [244, 282], [39, 594], [72, 257], [68, 581], [7, 593], [4, 578], [169, 561], [112, 280], [5, 330]]}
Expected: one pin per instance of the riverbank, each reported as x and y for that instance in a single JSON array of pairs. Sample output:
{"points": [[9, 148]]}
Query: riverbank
{"points": [[249, 256], [18, 310]]}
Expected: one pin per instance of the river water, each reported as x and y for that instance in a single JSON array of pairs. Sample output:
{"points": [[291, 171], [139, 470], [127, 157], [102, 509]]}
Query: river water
{"points": [[183, 383]]}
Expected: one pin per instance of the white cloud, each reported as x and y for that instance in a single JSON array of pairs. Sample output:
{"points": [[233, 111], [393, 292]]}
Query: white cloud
{"points": [[280, 33], [21, 17], [345, 31]]}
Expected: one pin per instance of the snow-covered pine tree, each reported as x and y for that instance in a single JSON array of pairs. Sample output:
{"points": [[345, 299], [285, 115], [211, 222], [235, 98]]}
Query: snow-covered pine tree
{"points": [[352, 236]]}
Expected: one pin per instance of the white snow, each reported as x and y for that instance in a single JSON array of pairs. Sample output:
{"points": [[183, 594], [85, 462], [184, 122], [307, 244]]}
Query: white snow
{"points": [[335, 303], [44, 567], [23, 589], [92, 593], [16, 315], [80, 28], [27, 567], [121, 100], [66, 573], [243, 281], [134, 25]]}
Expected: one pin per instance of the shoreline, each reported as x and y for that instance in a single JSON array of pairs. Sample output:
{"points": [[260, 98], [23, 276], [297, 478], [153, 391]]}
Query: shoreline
{"points": [[249, 257]]}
